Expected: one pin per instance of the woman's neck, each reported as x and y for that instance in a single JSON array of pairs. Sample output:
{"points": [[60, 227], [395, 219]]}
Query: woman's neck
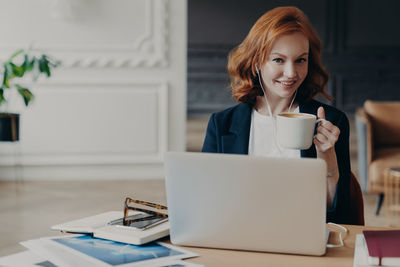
{"points": [[277, 106]]}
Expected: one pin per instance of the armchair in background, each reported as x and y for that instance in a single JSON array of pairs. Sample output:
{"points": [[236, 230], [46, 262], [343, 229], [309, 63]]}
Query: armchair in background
{"points": [[378, 144]]}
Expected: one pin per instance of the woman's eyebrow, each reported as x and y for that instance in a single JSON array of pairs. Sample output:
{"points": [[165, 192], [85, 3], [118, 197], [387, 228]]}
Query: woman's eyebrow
{"points": [[282, 55], [304, 54]]}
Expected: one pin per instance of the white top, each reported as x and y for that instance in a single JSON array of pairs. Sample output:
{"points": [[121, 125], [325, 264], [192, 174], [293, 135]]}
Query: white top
{"points": [[262, 138]]}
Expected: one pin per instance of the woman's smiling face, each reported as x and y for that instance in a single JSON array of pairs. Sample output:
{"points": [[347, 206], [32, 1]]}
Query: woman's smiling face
{"points": [[286, 66]]}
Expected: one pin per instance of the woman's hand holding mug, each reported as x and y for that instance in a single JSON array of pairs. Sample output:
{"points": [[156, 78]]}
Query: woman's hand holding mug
{"points": [[327, 134]]}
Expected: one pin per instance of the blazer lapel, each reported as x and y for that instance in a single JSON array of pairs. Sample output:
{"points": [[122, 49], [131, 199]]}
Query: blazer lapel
{"points": [[237, 139], [310, 109]]}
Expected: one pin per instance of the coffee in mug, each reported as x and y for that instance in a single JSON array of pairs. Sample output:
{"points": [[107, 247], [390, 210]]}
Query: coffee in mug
{"points": [[295, 130]]}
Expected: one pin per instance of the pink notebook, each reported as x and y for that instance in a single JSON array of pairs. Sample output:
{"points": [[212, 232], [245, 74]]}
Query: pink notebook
{"points": [[383, 247]]}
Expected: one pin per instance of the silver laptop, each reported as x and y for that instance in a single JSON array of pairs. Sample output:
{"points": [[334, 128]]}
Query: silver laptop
{"points": [[247, 203]]}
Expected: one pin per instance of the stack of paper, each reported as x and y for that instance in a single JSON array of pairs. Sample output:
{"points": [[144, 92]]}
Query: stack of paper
{"points": [[85, 250], [102, 244]]}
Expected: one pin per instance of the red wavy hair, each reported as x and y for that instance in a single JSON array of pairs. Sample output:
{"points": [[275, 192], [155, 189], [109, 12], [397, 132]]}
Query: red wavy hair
{"points": [[257, 45]]}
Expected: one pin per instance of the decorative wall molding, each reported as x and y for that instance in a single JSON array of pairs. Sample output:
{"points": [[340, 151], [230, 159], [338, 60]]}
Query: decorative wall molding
{"points": [[31, 154], [149, 48], [117, 104]]}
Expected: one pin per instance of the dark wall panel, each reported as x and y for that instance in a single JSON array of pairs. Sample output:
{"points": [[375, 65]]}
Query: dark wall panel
{"points": [[227, 22], [372, 23]]}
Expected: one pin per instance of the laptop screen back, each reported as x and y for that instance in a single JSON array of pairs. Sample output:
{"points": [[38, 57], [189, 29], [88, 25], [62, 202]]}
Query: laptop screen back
{"points": [[247, 203]]}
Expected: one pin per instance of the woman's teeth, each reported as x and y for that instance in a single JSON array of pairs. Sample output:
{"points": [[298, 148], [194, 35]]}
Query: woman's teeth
{"points": [[287, 83]]}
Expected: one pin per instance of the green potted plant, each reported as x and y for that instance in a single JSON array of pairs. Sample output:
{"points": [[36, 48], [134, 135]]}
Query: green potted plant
{"points": [[14, 69]]}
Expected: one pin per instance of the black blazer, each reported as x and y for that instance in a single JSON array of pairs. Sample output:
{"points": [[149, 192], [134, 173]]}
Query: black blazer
{"points": [[228, 132]]}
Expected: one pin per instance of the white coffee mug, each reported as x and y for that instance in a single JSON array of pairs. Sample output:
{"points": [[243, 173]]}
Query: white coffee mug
{"points": [[296, 130]]}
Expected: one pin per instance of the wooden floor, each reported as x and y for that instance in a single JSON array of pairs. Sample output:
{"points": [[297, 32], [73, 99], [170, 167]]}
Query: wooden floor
{"points": [[28, 209]]}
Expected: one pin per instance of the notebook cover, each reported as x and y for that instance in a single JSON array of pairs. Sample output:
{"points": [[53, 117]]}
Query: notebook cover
{"points": [[131, 235], [383, 244], [88, 224]]}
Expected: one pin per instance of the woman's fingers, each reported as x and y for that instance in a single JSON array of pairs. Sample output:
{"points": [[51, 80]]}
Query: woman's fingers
{"points": [[321, 146], [327, 136], [330, 134], [321, 138], [321, 113], [327, 133], [329, 126]]}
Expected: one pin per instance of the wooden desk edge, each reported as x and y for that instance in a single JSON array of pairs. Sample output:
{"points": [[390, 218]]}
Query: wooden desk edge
{"points": [[342, 256]]}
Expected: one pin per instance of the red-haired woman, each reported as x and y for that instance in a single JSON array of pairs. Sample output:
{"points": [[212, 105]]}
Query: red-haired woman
{"points": [[277, 68]]}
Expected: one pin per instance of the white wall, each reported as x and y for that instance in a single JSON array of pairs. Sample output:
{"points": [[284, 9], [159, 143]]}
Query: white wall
{"points": [[119, 101]]}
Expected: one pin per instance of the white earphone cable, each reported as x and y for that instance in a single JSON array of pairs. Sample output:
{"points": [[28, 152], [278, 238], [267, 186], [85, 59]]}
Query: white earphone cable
{"points": [[273, 117]]}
